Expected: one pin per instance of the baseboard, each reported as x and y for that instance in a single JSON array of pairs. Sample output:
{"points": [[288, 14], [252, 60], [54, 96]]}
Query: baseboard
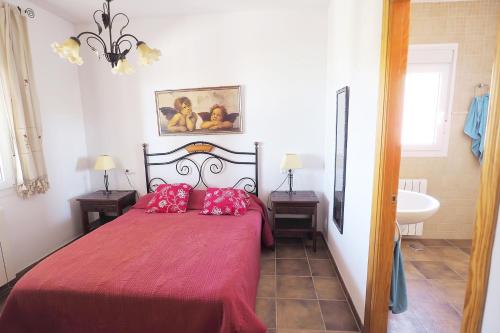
{"points": [[349, 299], [6, 288]]}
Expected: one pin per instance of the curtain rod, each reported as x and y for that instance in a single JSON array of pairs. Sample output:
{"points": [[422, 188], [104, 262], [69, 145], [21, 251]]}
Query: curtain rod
{"points": [[28, 11]]}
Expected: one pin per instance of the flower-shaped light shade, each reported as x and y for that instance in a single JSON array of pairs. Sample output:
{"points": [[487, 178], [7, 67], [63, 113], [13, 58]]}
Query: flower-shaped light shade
{"points": [[147, 55], [123, 67], [69, 50]]}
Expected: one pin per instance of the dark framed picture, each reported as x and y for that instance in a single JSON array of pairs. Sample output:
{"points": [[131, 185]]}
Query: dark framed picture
{"points": [[340, 157], [199, 111]]}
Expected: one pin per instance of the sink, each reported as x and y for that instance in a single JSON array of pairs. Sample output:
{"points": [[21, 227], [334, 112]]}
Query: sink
{"points": [[414, 207]]}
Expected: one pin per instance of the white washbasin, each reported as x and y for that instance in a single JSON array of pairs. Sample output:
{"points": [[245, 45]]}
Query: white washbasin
{"points": [[414, 207]]}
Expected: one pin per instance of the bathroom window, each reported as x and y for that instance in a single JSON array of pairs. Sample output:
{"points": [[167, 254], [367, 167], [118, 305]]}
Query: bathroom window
{"points": [[428, 97]]}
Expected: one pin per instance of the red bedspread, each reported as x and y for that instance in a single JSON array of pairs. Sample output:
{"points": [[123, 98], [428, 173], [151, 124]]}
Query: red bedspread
{"points": [[147, 273]]}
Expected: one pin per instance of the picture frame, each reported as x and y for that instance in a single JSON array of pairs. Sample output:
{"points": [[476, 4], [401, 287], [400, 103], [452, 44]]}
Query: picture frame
{"points": [[341, 136], [199, 111]]}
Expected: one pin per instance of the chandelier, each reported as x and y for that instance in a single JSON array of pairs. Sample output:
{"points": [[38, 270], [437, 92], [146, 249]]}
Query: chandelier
{"points": [[115, 51]]}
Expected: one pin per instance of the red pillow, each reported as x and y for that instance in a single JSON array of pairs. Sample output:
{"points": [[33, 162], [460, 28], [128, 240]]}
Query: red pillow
{"points": [[170, 198], [225, 201]]}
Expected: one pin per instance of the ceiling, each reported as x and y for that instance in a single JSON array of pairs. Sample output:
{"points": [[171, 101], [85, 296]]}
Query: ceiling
{"points": [[80, 11]]}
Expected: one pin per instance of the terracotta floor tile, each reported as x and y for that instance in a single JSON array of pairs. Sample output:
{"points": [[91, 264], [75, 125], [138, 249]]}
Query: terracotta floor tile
{"points": [[461, 267], [448, 253], [437, 317], [412, 243], [434, 242], [411, 272], [267, 254], [436, 283], [292, 250], [450, 291], [410, 254], [459, 307], [295, 287], [267, 267], [329, 288], [320, 243], [296, 267], [435, 270], [321, 253], [421, 290], [338, 316], [405, 322], [299, 314], [465, 243], [321, 267], [466, 250], [266, 311], [267, 286]]}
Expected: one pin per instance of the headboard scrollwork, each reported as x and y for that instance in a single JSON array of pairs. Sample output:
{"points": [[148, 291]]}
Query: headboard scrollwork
{"points": [[209, 164]]}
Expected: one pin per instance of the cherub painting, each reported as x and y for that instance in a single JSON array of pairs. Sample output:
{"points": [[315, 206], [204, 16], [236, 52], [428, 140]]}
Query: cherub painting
{"points": [[181, 117], [217, 118], [199, 111]]}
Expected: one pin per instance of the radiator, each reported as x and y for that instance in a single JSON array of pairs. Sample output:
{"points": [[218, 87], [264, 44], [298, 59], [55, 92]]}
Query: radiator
{"points": [[414, 185]]}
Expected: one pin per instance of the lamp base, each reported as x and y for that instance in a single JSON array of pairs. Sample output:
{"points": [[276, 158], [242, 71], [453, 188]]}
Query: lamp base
{"points": [[106, 183], [290, 183]]}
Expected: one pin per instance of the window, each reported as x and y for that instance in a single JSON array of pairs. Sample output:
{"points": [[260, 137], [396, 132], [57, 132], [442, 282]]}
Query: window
{"points": [[6, 160], [428, 98]]}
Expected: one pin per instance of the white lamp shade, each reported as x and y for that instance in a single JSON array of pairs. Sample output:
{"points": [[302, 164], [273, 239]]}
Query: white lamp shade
{"points": [[291, 162], [70, 50], [104, 162], [123, 67], [147, 55]]}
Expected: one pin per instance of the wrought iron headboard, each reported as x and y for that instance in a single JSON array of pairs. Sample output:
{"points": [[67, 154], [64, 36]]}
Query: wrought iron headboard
{"points": [[185, 165]]}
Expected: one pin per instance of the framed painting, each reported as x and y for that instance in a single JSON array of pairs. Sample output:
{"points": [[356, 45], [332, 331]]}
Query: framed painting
{"points": [[340, 157], [199, 111]]}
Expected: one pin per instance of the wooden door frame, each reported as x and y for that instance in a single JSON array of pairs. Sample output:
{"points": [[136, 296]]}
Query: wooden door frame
{"points": [[394, 53], [395, 35], [485, 225]]}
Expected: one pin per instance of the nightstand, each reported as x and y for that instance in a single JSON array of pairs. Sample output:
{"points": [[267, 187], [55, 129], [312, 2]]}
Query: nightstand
{"points": [[294, 206], [103, 203]]}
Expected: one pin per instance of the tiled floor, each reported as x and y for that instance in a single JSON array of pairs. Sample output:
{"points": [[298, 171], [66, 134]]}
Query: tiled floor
{"points": [[300, 292], [436, 276]]}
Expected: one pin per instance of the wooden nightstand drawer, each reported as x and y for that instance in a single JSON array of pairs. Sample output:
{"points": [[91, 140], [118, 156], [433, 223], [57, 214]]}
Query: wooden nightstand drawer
{"points": [[285, 209], [99, 207], [294, 205], [98, 202]]}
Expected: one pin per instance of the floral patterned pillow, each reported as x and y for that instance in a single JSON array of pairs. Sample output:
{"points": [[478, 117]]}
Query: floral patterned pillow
{"points": [[170, 198], [225, 201]]}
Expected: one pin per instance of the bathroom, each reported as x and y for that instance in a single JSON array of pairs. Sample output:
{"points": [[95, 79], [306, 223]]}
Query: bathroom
{"points": [[451, 54]]}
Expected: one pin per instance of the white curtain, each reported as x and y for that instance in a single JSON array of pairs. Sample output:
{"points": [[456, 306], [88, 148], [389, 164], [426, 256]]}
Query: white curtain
{"points": [[18, 87]]}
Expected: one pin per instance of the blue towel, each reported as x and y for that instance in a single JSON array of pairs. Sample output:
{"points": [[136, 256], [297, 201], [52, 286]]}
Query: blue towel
{"points": [[399, 297], [475, 124]]}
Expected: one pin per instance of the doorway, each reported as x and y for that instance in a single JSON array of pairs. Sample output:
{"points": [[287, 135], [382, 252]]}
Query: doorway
{"points": [[397, 37]]}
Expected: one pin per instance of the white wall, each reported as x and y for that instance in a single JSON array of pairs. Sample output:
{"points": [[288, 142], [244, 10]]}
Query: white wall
{"points": [[491, 320], [37, 226], [279, 57], [354, 61]]}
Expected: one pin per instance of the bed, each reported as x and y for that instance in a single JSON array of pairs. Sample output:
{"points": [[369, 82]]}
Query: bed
{"points": [[151, 272]]}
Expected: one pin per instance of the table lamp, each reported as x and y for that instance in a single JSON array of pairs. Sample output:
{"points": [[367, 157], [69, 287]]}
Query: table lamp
{"points": [[291, 162], [105, 162]]}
